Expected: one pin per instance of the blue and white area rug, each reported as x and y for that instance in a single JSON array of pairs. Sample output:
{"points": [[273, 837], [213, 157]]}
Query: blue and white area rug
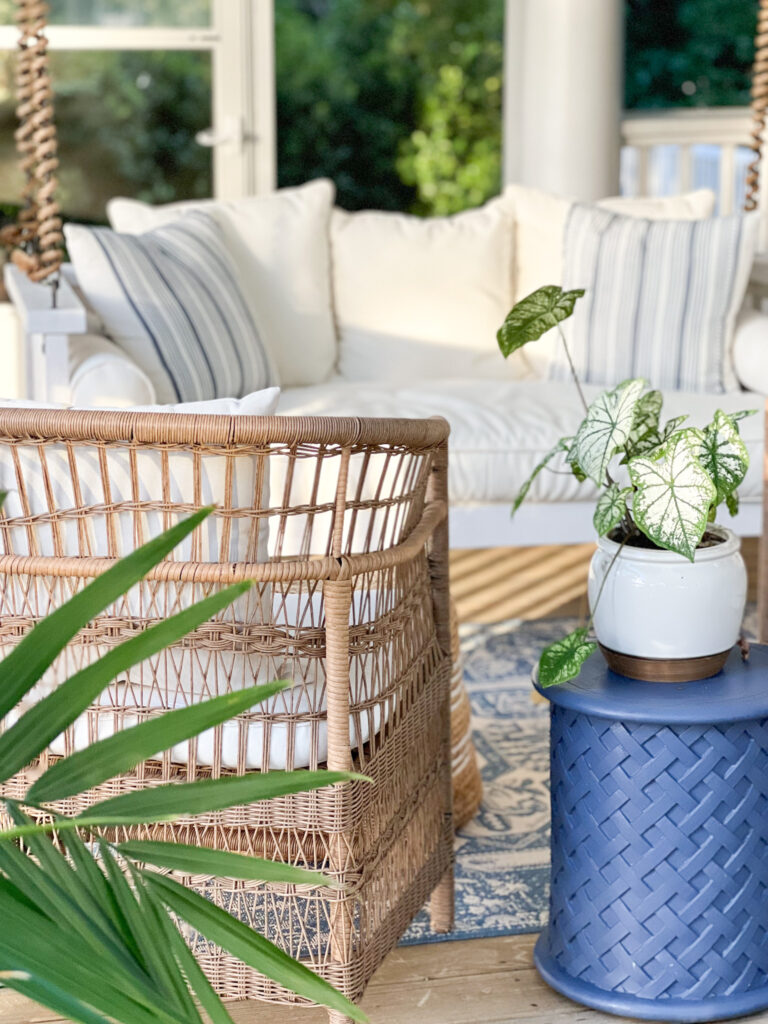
{"points": [[502, 856]]}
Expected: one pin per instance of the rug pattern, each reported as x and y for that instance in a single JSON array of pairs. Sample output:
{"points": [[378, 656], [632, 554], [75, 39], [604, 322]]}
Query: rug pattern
{"points": [[502, 855]]}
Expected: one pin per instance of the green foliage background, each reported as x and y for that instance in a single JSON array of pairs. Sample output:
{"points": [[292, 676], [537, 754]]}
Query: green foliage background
{"points": [[398, 101]]}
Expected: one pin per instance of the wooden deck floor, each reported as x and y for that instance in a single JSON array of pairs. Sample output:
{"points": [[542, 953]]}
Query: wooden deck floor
{"points": [[482, 981]]}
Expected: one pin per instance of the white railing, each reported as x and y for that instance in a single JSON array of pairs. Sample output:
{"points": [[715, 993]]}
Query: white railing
{"points": [[670, 151]]}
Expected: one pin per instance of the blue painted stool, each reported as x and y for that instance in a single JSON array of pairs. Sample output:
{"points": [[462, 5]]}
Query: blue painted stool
{"points": [[659, 899]]}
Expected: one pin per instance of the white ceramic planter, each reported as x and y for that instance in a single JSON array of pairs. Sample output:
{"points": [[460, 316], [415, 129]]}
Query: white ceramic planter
{"points": [[658, 605]]}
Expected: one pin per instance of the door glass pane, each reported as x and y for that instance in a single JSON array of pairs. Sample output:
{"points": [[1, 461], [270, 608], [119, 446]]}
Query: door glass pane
{"points": [[398, 103], [170, 13], [126, 124]]}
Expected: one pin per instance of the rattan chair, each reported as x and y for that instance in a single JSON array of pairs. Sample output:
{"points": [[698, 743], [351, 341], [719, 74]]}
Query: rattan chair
{"points": [[342, 524]]}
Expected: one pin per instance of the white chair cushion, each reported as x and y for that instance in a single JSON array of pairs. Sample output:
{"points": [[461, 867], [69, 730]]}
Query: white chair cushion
{"points": [[421, 298], [279, 243], [501, 429]]}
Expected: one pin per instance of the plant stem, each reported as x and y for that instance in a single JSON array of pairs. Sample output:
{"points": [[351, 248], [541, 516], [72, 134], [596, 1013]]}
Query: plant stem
{"points": [[576, 380], [602, 583]]}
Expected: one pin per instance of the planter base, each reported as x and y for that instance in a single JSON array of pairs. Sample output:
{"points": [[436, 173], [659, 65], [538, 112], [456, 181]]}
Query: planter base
{"points": [[625, 1005], [665, 670]]}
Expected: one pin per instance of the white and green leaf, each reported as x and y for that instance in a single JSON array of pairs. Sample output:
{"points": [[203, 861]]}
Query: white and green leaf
{"points": [[534, 315], [673, 493], [562, 446], [742, 414], [606, 428], [671, 426], [611, 508], [563, 659], [646, 418], [724, 455], [573, 463]]}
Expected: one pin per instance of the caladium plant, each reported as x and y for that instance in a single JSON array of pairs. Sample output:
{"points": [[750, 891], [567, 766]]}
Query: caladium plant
{"points": [[661, 482]]}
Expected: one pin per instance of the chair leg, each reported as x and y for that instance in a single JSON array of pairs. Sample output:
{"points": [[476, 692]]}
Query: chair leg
{"points": [[441, 904]]}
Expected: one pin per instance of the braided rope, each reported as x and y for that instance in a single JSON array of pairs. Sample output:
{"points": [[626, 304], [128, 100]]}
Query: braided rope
{"points": [[37, 237], [759, 103]]}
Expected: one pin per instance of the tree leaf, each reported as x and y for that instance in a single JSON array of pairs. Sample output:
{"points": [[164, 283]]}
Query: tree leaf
{"points": [[534, 315], [724, 455], [732, 503], [606, 428], [563, 659], [199, 860], [120, 753], [611, 508], [562, 445], [673, 493], [23, 667], [246, 944], [50, 717]]}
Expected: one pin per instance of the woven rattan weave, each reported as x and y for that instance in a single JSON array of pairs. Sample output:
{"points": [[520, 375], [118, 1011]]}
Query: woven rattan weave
{"points": [[342, 524]]}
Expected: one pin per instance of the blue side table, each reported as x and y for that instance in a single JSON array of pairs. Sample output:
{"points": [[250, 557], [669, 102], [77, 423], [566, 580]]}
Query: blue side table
{"points": [[659, 899]]}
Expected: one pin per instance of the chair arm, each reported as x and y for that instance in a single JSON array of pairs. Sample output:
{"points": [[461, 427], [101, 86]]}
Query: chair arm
{"points": [[101, 375], [750, 351]]}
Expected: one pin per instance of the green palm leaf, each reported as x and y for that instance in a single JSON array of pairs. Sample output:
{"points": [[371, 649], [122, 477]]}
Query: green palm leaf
{"points": [[246, 944], [199, 860], [49, 717], [23, 667], [165, 803], [123, 751]]}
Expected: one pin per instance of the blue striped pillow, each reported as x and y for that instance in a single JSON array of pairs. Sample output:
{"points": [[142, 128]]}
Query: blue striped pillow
{"points": [[661, 299], [171, 299]]}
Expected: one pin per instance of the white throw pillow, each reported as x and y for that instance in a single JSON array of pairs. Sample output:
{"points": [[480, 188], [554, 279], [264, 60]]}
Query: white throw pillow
{"points": [[540, 222], [170, 299], [422, 298], [279, 243], [662, 297]]}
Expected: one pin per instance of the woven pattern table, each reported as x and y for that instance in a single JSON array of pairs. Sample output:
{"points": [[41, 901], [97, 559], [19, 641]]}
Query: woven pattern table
{"points": [[659, 897]]}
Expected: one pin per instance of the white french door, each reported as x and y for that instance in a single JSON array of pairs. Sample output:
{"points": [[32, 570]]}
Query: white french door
{"points": [[212, 59]]}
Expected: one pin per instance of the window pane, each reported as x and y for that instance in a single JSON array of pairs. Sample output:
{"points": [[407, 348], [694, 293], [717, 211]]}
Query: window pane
{"points": [[126, 124], [178, 13], [398, 102]]}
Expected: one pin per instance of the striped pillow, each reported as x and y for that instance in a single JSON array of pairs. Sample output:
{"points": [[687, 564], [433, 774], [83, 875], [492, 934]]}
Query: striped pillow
{"points": [[661, 298], [170, 299]]}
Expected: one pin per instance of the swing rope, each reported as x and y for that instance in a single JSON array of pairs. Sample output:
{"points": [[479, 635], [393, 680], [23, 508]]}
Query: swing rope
{"points": [[759, 104], [36, 239]]}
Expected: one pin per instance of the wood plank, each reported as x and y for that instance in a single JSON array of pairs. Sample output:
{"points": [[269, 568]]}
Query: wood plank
{"points": [[482, 980]]}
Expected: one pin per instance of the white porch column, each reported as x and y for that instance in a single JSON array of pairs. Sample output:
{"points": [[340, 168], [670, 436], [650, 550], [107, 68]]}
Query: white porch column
{"points": [[564, 92]]}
